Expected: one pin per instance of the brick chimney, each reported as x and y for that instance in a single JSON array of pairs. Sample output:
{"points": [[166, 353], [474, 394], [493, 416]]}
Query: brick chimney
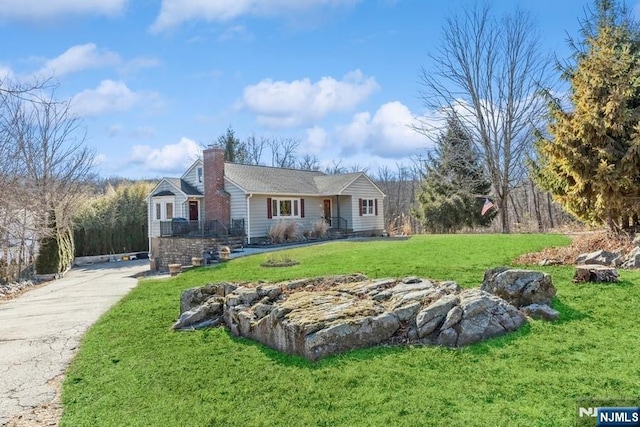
{"points": [[216, 200]]}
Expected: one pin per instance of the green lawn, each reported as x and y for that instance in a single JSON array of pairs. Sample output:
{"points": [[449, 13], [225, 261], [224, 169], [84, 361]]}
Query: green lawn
{"points": [[133, 370]]}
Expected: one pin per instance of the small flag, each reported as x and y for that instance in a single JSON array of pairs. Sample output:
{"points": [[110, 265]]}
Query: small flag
{"points": [[487, 205]]}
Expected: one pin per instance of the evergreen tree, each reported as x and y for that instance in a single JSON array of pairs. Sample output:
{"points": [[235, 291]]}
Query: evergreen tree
{"points": [[453, 184], [590, 159], [235, 151]]}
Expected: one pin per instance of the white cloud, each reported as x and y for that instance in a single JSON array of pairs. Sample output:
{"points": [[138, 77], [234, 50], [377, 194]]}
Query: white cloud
{"points": [[317, 140], [78, 58], [175, 12], [110, 96], [388, 133], [287, 104], [171, 158], [39, 10]]}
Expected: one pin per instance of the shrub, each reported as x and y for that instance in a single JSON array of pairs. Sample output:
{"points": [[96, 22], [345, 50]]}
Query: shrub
{"points": [[276, 232], [320, 228], [284, 231], [291, 232], [278, 260]]}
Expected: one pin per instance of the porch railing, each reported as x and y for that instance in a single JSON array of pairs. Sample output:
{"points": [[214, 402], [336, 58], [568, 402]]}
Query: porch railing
{"points": [[209, 228], [338, 223]]}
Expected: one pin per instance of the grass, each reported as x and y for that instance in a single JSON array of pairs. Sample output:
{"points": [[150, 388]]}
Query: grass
{"points": [[133, 370]]}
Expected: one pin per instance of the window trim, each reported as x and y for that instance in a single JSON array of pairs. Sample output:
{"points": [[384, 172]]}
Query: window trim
{"points": [[274, 207], [368, 207], [161, 204]]}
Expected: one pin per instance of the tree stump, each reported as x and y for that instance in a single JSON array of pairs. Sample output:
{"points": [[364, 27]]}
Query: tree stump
{"points": [[595, 273]]}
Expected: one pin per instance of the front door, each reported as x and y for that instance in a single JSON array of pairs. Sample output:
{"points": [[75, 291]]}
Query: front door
{"points": [[326, 213], [193, 210]]}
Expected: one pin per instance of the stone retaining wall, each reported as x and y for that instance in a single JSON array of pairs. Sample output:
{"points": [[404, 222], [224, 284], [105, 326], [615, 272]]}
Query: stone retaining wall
{"points": [[179, 250]]}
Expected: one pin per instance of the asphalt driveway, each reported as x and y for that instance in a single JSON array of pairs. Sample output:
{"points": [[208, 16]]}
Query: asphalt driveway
{"points": [[40, 330]]}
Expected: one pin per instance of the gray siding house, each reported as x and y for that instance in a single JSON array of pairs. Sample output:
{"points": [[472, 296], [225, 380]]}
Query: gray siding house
{"points": [[256, 197]]}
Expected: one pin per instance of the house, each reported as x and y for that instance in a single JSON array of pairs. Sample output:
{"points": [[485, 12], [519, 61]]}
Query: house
{"points": [[214, 197]]}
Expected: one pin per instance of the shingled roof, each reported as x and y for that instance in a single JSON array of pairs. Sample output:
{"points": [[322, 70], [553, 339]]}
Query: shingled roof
{"points": [[271, 180], [184, 186]]}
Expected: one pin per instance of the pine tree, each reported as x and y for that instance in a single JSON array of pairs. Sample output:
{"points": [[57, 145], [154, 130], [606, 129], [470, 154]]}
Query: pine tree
{"points": [[590, 159], [235, 151], [453, 184]]}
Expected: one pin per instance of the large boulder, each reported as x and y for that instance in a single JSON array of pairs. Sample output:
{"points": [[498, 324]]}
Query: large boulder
{"points": [[317, 317], [478, 316], [600, 257], [540, 311], [632, 260], [194, 297], [519, 287], [209, 313]]}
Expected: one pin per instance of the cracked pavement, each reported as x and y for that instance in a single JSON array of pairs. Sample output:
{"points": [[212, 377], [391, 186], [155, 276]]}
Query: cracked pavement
{"points": [[41, 329]]}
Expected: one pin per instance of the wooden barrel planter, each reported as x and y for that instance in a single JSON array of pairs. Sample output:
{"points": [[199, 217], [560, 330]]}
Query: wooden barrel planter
{"points": [[174, 269]]}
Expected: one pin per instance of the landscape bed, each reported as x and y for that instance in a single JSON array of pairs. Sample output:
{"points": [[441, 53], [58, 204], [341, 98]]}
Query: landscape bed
{"points": [[133, 370]]}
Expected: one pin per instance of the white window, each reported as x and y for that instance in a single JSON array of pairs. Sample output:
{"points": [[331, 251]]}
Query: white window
{"points": [[199, 175], [165, 208], [285, 208], [368, 207]]}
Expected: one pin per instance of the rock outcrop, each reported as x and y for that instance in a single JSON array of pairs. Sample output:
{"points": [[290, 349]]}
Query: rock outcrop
{"points": [[519, 287], [600, 257], [632, 260], [317, 317]]}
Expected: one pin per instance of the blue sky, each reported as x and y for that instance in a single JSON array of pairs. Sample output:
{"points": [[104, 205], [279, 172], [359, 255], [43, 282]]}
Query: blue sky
{"points": [[154, 80]]}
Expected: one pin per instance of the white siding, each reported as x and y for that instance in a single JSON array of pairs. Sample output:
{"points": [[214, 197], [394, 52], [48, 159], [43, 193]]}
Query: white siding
{"points": [[191, 176], [362, 188], [260, 224], [180, 206], [237, 201], [345, 209]]}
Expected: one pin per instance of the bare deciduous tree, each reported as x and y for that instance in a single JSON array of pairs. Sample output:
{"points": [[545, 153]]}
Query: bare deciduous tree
{"points": [[283, 152], [488, 71], [309, 162], [335, 167], [45, 163], [254, 149]]}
